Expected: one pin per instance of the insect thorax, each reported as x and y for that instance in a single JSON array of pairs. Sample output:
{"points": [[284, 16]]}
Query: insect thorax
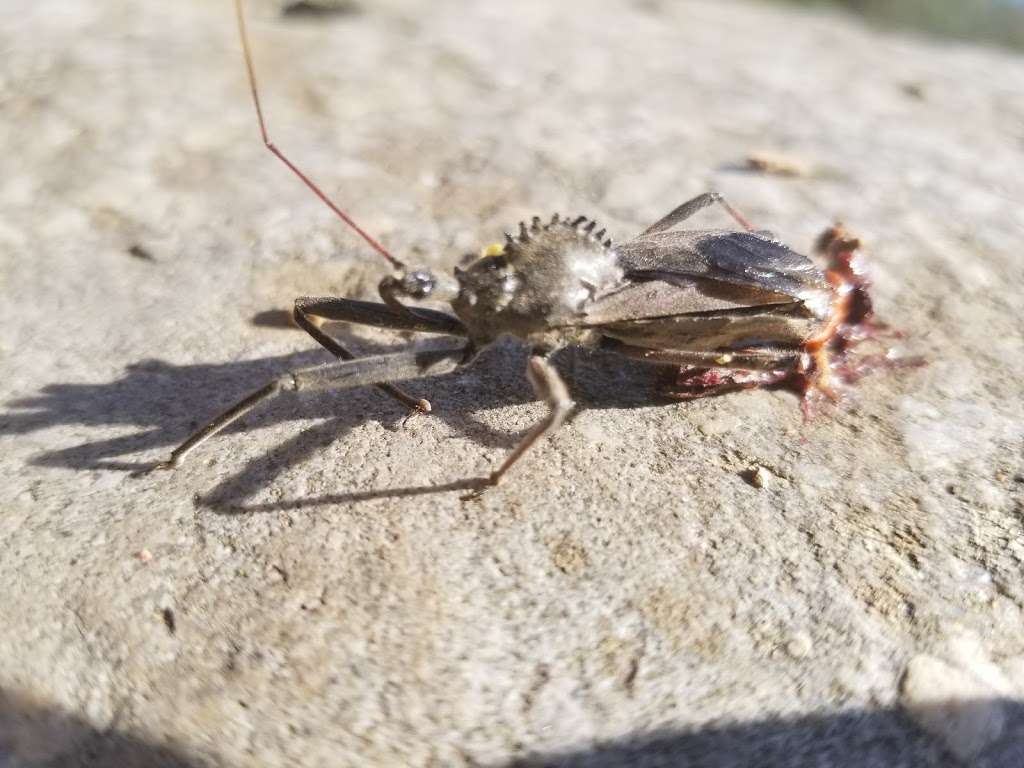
{"points": [[537, 284]]}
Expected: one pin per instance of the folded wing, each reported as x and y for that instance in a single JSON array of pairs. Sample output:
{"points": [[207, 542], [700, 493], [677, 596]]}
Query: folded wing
{"points": [[711, 290]]}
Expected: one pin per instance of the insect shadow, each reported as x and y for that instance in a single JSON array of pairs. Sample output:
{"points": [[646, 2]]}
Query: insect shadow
{"points": [[37, 733], [164, 401], [853, 738]]}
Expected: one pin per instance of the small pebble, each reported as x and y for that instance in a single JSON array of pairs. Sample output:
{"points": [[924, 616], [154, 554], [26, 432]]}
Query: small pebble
{"points": [[143, 555], [777, 165], [800, 645], [759, 477]]}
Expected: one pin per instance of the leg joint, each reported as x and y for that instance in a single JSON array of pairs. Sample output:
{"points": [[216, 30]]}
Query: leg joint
{"points": [[286, 383]]}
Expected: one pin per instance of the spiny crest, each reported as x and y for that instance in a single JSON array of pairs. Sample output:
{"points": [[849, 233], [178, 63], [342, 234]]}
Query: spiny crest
{"points": [[537, 232]]}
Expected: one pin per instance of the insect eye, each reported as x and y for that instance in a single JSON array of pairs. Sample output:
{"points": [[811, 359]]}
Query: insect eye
{"points": [[418, 285]]}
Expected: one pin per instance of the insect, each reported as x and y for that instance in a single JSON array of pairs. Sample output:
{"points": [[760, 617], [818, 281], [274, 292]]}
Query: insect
{"points": [[724, 309]]}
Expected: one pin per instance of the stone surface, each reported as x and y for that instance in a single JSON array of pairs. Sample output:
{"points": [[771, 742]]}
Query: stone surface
{"points": [[315, 592]]}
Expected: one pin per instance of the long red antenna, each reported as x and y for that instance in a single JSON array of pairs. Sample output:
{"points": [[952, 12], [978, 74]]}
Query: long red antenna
{"points": [[281, 156]]}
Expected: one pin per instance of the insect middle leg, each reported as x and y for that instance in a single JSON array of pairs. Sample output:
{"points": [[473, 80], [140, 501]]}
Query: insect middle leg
{"points": [[690, 207], [377, 369], [304, 313], [549, 387]]}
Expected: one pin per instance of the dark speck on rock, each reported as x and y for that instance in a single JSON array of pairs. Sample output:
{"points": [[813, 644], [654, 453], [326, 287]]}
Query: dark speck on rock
{"points": [[168, 616], [316, 9]]}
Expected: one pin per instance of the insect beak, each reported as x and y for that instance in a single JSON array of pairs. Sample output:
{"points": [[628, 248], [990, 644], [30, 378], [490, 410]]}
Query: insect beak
{"points": [[445, 288]]}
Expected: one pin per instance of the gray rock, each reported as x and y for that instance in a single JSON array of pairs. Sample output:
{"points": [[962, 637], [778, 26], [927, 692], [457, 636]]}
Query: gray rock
{"points": [[624, 597], [953, 705]]}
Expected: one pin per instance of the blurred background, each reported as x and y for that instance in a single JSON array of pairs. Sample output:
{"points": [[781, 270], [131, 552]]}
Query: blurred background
{"points": [[1000, 22], [711, 584]]}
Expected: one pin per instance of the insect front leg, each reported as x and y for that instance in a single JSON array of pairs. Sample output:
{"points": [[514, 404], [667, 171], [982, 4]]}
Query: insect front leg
{"points": [[690, 207], [304, 318], [308, 309], [549, 387], [377, 369], [380, 315]]}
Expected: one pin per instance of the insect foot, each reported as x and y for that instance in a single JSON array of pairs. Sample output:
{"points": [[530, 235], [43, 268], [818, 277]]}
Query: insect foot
{"points": [[286, 383]]}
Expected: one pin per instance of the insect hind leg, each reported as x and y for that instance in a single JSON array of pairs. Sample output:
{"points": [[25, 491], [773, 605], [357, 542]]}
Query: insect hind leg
{"points": [[347, 374], [693, 383], [690, 207]]}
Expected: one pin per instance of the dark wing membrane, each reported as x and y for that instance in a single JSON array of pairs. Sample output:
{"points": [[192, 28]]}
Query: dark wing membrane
{"points": [[751, 259]]}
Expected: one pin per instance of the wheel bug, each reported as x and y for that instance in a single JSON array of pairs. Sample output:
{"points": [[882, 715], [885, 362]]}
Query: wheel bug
{"points": [[724, 309]]}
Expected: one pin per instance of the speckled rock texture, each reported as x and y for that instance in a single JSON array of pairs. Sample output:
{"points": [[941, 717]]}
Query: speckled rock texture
{"points": [[309, 588]]}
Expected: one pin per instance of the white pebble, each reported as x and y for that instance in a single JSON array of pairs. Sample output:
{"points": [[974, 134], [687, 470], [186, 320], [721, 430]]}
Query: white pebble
{"points": [[759, 476], [799, 645]]}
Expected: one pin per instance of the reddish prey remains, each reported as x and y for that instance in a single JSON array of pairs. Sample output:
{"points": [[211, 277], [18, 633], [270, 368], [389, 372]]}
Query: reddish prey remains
{"points": [[827, 363]]}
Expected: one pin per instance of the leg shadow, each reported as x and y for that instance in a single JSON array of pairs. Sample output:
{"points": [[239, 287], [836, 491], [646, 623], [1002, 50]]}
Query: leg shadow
{"points": [[884, 738], [37, 735], [164, 403]]}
